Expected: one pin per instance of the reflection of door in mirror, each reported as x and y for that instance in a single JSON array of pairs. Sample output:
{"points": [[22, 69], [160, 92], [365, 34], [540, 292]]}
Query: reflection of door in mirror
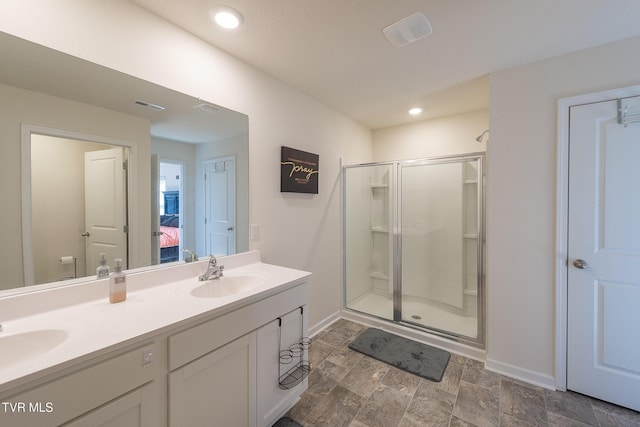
{"points": [[168, 238], [105, 207], [220, 214], [61, 207]]}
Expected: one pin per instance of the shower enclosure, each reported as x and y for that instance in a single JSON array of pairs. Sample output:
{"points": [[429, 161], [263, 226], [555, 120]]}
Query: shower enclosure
{"points": [[413, 244]]}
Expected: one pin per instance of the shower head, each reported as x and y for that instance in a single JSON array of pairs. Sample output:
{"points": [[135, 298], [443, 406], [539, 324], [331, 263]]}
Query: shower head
{"points": [[479, 138]]}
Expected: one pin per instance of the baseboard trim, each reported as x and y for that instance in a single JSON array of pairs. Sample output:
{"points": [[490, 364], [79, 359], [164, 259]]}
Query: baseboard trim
{"points": [[522, 374], [318, 327]]}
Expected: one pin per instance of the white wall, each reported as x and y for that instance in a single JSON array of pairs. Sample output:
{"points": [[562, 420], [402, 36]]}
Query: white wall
{"points": [[521, 192], [300, 231], [444, 136]]}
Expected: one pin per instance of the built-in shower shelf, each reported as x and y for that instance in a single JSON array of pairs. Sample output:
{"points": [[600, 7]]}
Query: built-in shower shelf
{"points": [[471, 181], [379, 230], [373, 186], [470, 235], [471, 292], [378, 275]]}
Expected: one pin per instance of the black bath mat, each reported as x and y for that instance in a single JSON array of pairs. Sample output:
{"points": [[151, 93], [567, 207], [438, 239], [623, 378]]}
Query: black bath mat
{"points": [[411, 356], [286, 422]]}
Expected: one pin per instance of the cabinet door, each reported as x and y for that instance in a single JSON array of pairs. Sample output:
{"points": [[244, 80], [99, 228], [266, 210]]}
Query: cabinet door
{"points": [[272, 401], [134, 409], [217, 389]]}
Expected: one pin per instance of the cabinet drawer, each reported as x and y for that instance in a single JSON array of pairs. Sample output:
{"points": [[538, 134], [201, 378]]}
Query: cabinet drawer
{"points": [[202, 339], [70, 396]]}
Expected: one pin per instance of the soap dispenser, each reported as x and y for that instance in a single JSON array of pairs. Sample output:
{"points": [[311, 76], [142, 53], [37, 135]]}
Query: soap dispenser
{"points": [[103, 269], [117, 284]]}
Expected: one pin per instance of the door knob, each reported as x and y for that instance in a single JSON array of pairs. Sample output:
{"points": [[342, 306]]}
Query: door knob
{"points": [[86, 234], [230, 229], [580, 263]]}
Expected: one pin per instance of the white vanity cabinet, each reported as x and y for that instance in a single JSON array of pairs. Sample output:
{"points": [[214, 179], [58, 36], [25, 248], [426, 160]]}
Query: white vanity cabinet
{"points": [[166, 357], [217, 378], [118, 390]]}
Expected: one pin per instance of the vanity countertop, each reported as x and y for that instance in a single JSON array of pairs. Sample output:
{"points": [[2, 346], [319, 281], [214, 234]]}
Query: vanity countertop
{"points": [[157, 300]]}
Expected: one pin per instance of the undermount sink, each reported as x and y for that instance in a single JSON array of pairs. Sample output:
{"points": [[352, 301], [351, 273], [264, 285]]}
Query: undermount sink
{"points": [[228, 285], [26, 345]]}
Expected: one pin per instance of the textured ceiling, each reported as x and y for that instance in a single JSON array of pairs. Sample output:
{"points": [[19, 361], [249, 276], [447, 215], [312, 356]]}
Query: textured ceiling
{"points": [[335, 51]]}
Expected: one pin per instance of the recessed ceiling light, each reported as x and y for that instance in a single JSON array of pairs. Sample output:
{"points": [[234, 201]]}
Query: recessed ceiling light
{"points": [[226, 17], [415, 111]]}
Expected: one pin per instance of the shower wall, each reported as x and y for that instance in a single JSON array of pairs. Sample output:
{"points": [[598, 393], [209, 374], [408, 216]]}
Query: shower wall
{"points": [[432, 230]]}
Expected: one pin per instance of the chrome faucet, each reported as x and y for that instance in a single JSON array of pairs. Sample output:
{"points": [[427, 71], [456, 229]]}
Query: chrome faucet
{"points": [[214, 271], [192, 256]]}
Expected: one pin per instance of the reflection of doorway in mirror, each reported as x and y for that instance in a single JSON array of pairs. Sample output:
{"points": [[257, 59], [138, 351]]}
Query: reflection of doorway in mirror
{"points": [[171, 210], [60, 206]]}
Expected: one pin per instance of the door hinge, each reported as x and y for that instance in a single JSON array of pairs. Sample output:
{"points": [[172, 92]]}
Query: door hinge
{"points": [[125, 229], [125, 165]]}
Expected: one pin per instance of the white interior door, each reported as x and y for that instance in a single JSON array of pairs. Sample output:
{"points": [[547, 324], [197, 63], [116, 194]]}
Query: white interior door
{"points": [[220, 206], [603, 343], [105, 207]]}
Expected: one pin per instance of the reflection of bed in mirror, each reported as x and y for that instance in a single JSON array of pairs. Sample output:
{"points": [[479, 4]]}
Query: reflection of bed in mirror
{"points": [[170, 228]]}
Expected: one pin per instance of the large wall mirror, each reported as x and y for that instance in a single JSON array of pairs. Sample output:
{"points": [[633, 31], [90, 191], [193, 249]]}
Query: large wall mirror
{"points": [[96, 161]]}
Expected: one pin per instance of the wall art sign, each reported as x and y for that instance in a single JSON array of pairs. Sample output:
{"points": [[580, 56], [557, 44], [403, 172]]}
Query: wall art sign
{"points": [[298, 171]]}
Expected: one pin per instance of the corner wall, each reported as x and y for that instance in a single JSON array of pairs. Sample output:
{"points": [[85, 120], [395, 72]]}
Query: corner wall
{"points": [[521, 199]]}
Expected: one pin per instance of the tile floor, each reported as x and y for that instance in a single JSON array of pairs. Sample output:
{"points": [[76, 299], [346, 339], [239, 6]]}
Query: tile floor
{"points": [[347, 388]]}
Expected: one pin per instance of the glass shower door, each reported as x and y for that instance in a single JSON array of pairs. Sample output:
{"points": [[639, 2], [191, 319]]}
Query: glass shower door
{"points": [[368, 234], [439, 222]]}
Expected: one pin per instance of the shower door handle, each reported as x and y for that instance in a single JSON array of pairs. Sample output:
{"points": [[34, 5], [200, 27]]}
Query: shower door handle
{"points": [[580, 263]]}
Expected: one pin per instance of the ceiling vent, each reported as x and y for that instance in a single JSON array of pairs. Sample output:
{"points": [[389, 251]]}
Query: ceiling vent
{"points": [[408, 30], [209, 108], [150, 105]]}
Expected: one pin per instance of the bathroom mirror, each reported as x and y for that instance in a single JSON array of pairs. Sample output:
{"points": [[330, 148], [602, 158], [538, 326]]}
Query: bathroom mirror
{"points": [[168, 142]]}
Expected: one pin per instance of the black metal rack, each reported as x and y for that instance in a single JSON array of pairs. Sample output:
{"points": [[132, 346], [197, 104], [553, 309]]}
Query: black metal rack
{"points": [[297, 354]]}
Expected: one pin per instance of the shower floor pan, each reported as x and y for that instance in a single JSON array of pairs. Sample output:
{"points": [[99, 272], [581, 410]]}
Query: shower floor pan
{"points": [[418, 311]]}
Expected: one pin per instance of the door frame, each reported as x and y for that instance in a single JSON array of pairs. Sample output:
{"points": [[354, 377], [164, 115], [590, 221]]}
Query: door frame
{"points": [[26, 130], [562, 219]]}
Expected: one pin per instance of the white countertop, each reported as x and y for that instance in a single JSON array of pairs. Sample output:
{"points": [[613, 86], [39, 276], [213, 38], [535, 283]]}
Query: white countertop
{"points": [[157, 300]]}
